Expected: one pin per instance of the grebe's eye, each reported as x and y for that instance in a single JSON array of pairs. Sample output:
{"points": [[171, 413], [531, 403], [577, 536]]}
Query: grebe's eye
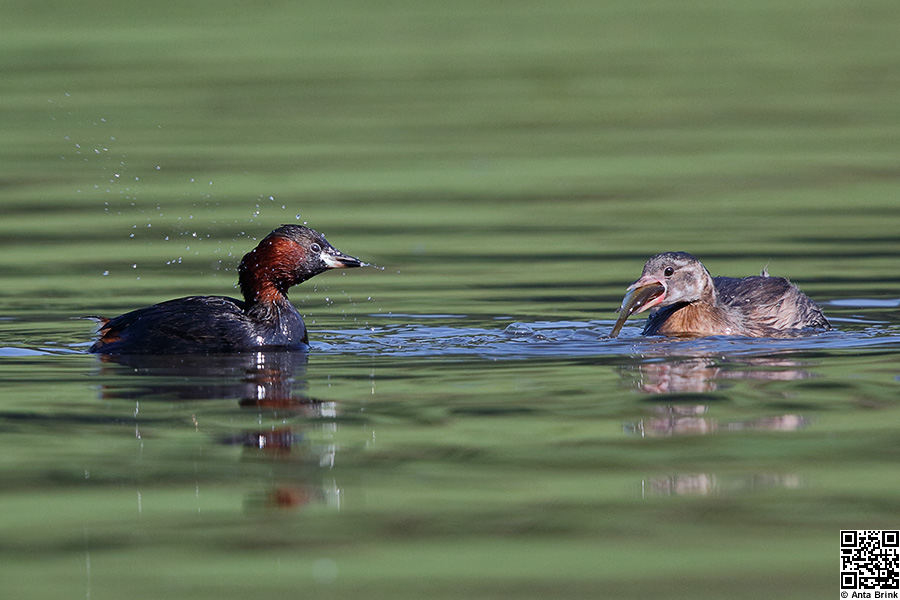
{"points": [[669, 271], [315, 248]]}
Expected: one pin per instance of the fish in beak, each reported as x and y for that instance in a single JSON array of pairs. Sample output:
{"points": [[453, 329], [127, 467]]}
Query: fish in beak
{"points": [[643, 294]]}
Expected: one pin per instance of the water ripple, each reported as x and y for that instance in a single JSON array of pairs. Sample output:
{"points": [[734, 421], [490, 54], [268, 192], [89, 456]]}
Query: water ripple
{"points": [[548, 339]]}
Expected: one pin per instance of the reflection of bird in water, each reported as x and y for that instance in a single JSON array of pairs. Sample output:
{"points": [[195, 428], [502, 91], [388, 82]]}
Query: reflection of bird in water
{"points": [[702, 374], [707, 484], [270, 379], [270, 385], [689, 420], [698, 377], [688, 301], [264, 319]]}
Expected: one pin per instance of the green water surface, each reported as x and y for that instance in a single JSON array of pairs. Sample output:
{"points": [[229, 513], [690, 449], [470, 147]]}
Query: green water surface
{"points": [[460, 427]]}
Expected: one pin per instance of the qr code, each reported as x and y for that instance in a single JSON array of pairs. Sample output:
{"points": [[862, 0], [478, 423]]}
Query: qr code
{"points": [[870, 559]]}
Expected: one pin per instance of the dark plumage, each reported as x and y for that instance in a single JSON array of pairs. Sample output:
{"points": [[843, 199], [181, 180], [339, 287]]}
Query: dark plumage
{"points": [[264, 319], [688, 301]]}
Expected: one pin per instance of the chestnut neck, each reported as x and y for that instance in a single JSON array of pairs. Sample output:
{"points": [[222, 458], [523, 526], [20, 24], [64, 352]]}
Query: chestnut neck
{"points": [[269, 270]]}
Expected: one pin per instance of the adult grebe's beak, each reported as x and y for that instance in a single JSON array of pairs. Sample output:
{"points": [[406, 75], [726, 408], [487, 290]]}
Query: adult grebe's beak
{"points": [[335, 259]]}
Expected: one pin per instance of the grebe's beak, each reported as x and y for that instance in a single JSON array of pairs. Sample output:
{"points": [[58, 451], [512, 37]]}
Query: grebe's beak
{"points": [[649, 290], [643, 294], [335, 259]]}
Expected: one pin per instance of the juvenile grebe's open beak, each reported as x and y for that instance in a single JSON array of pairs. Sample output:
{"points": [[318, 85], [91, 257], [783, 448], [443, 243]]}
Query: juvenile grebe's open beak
{"points": [[335, 259], [649, 290], [644, 293]]}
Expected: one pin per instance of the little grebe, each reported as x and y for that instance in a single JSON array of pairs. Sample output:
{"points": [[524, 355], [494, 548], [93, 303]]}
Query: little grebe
{"points": [[265, 319], [692, 303]]}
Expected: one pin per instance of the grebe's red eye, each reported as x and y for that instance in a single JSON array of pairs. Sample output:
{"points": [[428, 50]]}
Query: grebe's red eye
{"points": [[316, 248], [669, 271]]}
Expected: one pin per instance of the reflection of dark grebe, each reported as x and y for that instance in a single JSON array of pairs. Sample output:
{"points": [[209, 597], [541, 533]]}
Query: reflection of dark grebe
{"points": [[256, 379], [693, 303], [265, 319]]}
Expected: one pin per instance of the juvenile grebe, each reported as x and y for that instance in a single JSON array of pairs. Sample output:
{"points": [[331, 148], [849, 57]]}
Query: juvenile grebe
{"points": [[689, 302]]}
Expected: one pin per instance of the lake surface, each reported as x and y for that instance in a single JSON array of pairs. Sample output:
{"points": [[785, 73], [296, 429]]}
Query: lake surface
{"points": [[462, 426]]}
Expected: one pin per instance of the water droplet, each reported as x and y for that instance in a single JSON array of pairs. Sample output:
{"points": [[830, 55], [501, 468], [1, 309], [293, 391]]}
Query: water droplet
{"points": [[518, 329]]}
